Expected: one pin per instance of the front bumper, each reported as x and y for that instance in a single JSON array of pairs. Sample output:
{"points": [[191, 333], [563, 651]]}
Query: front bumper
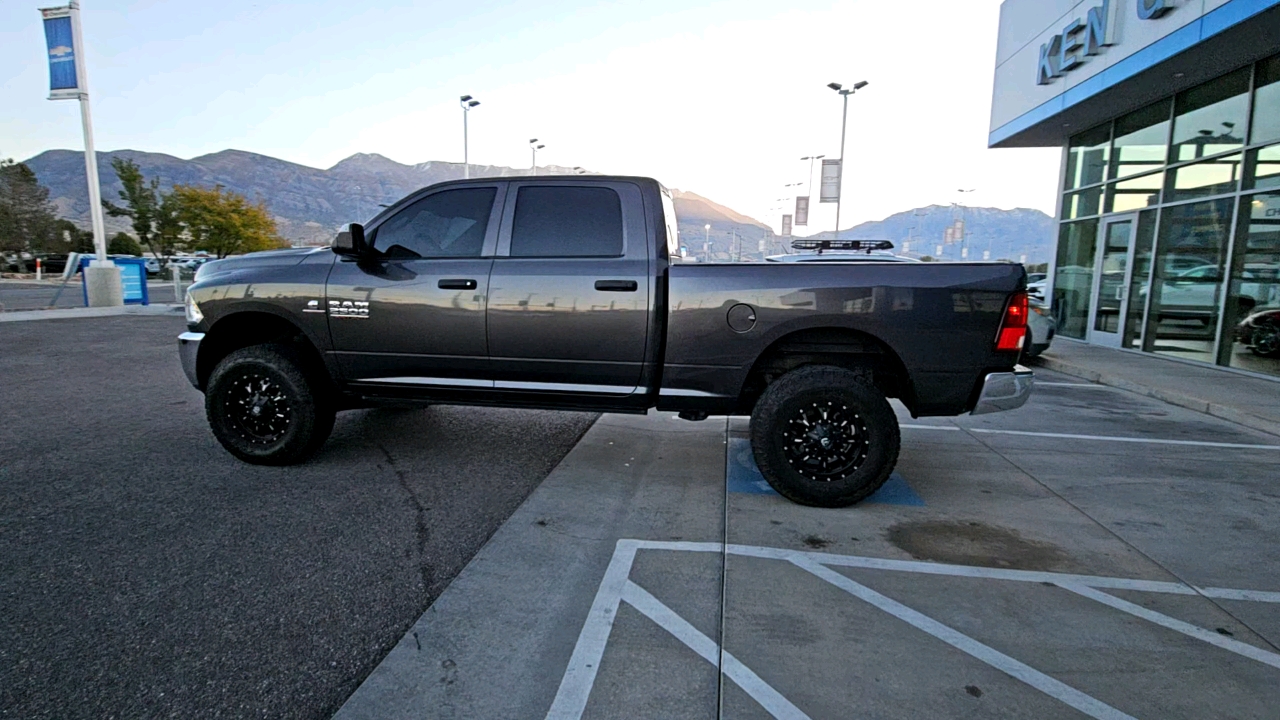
{"points": [[188, 350], [1004, 391]]}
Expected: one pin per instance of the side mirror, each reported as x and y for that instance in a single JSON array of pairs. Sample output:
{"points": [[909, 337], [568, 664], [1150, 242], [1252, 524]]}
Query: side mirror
{"points": [[350, 241]]}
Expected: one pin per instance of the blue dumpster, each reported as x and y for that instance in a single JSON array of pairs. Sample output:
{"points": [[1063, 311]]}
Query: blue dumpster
{"points": [[133, 276]]}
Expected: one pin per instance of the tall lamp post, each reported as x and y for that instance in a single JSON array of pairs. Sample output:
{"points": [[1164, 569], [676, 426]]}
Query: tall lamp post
{"points": [[706, 244], [964, 229], [535, 147], [844, 93], [811, 159], [467, 103]]}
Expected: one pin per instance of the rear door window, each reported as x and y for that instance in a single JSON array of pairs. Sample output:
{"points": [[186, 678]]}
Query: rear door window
{"points": [[567, 222]]}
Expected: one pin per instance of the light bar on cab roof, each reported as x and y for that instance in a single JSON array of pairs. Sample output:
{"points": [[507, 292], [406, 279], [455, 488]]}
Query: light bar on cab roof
{"points": [[821, 245]]}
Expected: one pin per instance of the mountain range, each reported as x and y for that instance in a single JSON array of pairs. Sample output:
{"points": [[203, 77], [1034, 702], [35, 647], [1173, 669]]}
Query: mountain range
{"points": [[310, 204]]}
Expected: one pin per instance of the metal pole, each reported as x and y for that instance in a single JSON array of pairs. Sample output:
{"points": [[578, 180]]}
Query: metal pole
{"points": [[844, 123], [90, 155], [177, 283], [535, 160], [466, 158]]}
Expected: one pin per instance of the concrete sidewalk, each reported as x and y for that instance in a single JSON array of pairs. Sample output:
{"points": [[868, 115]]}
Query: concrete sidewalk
{"points": [[84, 312], [1250, 401]]}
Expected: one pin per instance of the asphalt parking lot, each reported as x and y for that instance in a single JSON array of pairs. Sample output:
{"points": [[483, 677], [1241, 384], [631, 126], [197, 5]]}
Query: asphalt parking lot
{"points": [[146, 573], [1095, 554]]}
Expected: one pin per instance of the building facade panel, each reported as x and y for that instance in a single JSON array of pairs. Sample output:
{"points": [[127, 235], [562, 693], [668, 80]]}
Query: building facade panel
{"points": [[1169, 204]]}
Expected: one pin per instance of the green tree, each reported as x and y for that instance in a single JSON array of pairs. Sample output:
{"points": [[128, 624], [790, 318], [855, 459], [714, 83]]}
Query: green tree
{"points": [[122, 243], [151, 212], [27, 218], [68, 238], [224, 222]]}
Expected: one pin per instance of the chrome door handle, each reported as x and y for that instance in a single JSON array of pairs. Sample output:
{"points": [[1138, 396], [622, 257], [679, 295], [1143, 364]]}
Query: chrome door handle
{"points": [[456, 284]]}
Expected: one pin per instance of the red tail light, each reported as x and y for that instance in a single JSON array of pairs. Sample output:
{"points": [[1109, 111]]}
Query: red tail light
{"points": [[1013, 331]]}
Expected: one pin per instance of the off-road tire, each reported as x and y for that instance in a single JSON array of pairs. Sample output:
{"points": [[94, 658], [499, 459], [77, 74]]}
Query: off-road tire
{"points": [[809, 389], [295, 389]]}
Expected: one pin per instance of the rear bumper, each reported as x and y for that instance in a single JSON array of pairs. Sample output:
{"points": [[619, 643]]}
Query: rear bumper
{"points": [[188, 350], [1004, 391]]}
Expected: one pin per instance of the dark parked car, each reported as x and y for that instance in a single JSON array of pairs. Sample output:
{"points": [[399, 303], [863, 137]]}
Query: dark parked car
{"points": [[567, 293], [1260, 332]]}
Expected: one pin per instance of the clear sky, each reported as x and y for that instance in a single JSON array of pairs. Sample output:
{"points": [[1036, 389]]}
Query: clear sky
{"points": [[721, 98]]}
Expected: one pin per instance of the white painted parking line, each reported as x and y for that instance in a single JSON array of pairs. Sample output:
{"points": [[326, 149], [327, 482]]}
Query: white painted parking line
{"points": [[1097, 438], [1199, 633], [1109, 438], [1091, 386], [1056, 689], [580, 676], [666, 618], [616, 587]]}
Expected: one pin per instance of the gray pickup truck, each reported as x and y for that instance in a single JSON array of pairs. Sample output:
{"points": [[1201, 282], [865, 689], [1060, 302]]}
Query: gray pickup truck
{"points": [[568, 293]]}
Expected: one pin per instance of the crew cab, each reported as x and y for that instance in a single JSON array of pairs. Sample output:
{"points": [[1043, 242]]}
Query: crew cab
{"points": [[567, 293]]}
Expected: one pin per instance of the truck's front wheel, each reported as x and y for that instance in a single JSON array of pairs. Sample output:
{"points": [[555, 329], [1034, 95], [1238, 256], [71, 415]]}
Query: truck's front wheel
{"points": [[264, 408], [824, 436]]}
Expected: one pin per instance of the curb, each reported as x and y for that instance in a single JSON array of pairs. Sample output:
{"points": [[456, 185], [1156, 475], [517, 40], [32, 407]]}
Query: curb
{"points": [[76, 313], [1189, 402]]}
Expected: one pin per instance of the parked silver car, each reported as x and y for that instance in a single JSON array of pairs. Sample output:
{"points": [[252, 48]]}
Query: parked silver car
{"points": [[1041, 327]]}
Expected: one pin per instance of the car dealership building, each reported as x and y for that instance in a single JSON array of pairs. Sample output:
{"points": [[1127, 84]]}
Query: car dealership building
{"points": [[1168, 116]]}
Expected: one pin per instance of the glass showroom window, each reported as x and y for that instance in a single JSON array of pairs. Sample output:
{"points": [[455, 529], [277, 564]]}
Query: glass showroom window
{"points": [[1142, 141], [1073, 280], [1266, 102], [1204, 179], [1211, 118], [1263, 170], [1087, 158], [1252, 338], [1082, 204], [1188, 279], [1135, 193]]}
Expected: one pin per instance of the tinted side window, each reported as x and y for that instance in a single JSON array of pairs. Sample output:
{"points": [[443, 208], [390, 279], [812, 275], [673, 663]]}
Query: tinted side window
{"points": [[447, 224], [567, 222]]}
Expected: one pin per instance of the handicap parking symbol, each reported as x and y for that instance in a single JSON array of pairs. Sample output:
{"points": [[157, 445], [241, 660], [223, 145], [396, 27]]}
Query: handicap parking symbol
{"points": [[744, 477]]}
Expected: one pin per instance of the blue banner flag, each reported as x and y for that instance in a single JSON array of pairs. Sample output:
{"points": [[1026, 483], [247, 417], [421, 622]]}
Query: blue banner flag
{"points": [[59, 36]]}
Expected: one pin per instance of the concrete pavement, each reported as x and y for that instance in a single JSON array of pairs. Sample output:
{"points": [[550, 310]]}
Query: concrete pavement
{"points": [[1247, 400], [1096, 554]]}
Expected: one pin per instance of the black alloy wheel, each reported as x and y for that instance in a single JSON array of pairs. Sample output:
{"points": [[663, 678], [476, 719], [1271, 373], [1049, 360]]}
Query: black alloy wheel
{"points": [[267, 406], [826, 441], [824, 436], [258, 407]]}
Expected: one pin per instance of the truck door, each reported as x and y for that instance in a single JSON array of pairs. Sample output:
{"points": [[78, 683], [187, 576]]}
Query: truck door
{"points": [[414, 312], [569, 293]]}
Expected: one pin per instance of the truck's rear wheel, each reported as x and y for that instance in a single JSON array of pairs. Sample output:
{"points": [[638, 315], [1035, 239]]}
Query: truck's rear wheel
{"points": [[264, 408], [824, 436]]}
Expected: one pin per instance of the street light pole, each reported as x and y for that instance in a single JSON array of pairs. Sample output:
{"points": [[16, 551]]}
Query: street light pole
{"points": [[844, 124], [467, 103], [811, 158], [706, 245], [535, 148]]}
